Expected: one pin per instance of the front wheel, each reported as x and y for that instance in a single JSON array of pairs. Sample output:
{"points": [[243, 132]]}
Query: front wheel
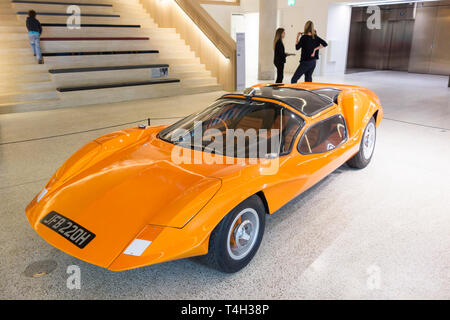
{"points": [[367, 147], [236, 239]]}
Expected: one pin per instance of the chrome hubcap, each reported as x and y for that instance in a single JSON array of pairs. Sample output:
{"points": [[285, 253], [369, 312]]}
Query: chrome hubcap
{"points": [[243, 233], [369, 141]]}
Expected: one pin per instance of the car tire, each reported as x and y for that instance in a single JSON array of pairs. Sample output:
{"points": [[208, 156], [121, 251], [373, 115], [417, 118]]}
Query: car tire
{"points": [[367, 147], [245, 223]]}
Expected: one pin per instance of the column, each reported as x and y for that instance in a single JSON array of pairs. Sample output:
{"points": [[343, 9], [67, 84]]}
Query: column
{"points": [[267, 26]]}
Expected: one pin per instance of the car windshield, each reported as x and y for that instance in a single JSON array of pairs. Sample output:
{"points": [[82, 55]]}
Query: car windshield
{"points": [[238, 128]]}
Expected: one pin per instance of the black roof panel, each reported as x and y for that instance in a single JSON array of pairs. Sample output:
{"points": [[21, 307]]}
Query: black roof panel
{"points": [[331, 93], [307, 102]]}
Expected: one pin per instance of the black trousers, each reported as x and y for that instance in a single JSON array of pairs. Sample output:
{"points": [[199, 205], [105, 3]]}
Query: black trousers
{"points": [[305, 68], [280, 72]]}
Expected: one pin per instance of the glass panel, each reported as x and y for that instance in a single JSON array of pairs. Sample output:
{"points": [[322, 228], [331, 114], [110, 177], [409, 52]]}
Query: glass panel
{"points": [[307, 102], [237, 128], [328, 92], [324, 136]]}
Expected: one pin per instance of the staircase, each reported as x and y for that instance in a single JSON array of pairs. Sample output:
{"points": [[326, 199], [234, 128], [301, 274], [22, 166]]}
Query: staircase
{"points": [[118, 54]]}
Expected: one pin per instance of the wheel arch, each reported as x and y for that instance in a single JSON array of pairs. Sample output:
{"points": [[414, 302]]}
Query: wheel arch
{"points": [[375, 115], [262, 196]]}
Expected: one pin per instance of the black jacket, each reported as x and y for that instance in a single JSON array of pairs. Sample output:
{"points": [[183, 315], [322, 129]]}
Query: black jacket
{"points": [[34, 25], [280, 54], [308, 44]]}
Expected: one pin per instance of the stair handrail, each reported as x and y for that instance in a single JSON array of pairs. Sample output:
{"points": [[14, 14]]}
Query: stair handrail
{"points": [[209, 27]]}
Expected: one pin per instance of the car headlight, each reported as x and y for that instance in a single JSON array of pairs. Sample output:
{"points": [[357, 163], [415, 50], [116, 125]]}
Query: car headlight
{"points": [[144, 239]]}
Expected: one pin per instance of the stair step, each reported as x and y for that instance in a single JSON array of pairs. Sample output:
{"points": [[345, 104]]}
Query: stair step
{"points": [[200, 89], [30, 105], [197, 81], [11, 97], [109, 68], [28, 86], [107, 60], [63, 3], [94, 39], [97, 53], [24, 77], [118, 85], [65, 14], [53, 7], [187, 67], [193, 75], [93, 25], [84, 61]]}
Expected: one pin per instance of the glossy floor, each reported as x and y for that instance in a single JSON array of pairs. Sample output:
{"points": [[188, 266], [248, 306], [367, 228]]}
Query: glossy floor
{"points": [[382, 232]]}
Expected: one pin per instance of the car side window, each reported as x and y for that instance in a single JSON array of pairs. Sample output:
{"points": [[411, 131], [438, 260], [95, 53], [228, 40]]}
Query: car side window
{"points": [[324, 136], [290, 125]]}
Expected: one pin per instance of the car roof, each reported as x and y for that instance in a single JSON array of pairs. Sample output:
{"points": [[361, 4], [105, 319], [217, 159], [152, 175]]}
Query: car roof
{"points": [[307, 102]]}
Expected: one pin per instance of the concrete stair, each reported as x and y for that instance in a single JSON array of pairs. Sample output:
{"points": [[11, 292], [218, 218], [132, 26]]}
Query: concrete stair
{"points": [[28, 86]]}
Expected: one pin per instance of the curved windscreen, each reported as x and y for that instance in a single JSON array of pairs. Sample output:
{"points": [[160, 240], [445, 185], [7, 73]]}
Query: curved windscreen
{"points": [[238, 128]]}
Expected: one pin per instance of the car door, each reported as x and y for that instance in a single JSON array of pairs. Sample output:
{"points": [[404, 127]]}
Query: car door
{"points": [[321, 149]]}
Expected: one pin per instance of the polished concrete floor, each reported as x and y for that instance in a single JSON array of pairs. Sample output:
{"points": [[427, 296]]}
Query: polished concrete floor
{"points": [[378, 233]]}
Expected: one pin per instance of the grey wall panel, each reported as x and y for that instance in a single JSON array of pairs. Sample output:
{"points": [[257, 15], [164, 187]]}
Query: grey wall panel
{"points": [[385, 48], [401, 40], [354, 45], [414, 38]]}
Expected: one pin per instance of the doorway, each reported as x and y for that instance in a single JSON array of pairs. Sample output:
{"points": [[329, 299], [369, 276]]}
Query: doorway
{"points": [[385, 48]]}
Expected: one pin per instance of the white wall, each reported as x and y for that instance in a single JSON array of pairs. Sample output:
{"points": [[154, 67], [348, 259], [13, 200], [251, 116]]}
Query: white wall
{"points": [[331, 19], [222, 13], [252, 45], [338, 29], [292, 20], [302, 11], [249, 24]]}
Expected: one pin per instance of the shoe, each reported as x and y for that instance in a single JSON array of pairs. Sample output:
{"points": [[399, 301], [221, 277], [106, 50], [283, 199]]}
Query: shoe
{"points": [[41, 61]]}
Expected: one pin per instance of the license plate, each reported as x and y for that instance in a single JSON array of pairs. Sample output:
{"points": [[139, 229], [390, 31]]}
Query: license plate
{"points": [[70, 230]]}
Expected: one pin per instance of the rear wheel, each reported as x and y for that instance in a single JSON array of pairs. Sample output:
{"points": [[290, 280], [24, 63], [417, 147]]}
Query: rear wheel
{"points": [[236, 239], [367, 147]]}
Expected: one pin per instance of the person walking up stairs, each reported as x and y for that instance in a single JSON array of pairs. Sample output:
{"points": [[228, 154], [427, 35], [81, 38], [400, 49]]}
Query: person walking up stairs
{"points": [[34, 34]]}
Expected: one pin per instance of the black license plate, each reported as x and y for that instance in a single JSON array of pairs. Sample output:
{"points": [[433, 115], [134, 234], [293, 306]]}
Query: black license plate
{"points": [[70, 230]]}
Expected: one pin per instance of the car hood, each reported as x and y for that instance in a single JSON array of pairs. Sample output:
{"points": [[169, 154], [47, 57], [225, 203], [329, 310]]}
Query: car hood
{"points": [[117, 185]]}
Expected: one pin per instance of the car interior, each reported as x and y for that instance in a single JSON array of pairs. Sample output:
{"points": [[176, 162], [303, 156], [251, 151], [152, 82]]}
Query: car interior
{"points": [[324, 136]]}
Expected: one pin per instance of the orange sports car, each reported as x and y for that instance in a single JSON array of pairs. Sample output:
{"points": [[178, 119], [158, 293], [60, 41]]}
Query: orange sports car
{"points": [[202, 186]]}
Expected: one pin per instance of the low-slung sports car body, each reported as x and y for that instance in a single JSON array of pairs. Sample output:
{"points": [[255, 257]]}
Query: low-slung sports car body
{"points": [[147, 195]]}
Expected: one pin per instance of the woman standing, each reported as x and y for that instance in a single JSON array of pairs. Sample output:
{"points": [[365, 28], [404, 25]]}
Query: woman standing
{"points": [[310, 44], [34, 34], [280, 55]]}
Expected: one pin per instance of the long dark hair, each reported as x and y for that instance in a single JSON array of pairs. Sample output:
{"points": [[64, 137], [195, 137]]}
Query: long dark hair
{"points": [[278, 35]]}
